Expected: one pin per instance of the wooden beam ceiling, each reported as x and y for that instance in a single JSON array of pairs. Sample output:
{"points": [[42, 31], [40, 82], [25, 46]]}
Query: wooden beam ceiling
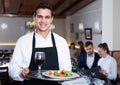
{"points": [[76, 6], [58, 4], [25, 8], [70, 6]]}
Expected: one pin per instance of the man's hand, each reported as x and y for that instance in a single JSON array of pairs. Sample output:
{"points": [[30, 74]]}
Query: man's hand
{"points": [[24, 73]]}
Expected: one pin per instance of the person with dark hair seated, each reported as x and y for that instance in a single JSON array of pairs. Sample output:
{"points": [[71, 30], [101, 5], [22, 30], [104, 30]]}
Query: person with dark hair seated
{"points": [[89, 59], [81, 49], [107, 63]]}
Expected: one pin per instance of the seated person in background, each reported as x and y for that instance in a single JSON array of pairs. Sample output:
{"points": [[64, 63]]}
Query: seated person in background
{"points": [[73, 51], [107, 62], [73, 54], [81, 49], [89, 59]]}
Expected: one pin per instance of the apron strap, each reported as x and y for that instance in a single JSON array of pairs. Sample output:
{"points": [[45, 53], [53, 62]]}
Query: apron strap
{"points": [[33, 43], [34, 66], [53, 40]]}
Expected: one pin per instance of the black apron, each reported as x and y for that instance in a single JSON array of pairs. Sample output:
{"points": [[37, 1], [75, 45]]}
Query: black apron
{"points": [[51, 62]]}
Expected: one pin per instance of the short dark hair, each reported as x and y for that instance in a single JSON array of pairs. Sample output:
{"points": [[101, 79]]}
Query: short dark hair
{"points": [[88, 43], [43, 5], [80, 43], [72, 43], [104, 46]]}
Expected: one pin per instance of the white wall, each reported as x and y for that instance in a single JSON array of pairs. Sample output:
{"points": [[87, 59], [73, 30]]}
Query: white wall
{"points": [[88, 16], [59, 26], [116, 25], [107, 22], [16, 28], [111, 23]]}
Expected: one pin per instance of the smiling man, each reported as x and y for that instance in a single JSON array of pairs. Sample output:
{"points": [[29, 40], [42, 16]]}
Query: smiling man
{"points": [[44, 40]]}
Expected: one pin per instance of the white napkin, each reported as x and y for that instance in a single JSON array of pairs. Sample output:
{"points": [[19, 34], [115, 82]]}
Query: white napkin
{"points": [[78, 81], [97, 81], [4, 65]]}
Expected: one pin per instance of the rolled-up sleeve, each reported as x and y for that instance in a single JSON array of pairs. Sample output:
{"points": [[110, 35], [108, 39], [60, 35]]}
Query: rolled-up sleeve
{"points": [[14, 68], [21, 58]]}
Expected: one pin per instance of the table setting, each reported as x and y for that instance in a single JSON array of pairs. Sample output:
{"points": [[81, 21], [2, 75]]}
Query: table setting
{"points": [[3, 66], [84, 80]]}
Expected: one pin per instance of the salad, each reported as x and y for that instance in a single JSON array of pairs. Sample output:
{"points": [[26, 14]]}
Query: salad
{"points": [[61, 73]]}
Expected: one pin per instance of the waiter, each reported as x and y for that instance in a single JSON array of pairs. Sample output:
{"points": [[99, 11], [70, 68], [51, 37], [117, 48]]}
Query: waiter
{"points": [[42, 39]]}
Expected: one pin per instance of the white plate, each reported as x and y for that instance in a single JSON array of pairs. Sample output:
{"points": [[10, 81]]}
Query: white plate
{"points": [[46, 73]]}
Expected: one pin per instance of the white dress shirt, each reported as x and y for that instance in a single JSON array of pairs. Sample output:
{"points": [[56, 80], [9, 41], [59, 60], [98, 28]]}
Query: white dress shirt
{"points": [[22, 53], [90, 60], [109, 64]]}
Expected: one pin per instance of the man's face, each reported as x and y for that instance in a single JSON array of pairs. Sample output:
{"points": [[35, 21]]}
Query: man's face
{"points": [[43, 19], [89, 49]]}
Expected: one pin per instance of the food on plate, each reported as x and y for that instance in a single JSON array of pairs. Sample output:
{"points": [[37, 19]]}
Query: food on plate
{"points": [[51, 73], [60, 73]]}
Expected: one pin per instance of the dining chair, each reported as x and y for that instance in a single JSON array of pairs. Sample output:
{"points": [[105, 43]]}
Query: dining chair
{"points": [[4, 76], [116, 55], [1, 54]]}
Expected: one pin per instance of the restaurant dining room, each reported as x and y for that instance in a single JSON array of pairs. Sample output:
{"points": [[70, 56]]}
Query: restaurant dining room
{"points": [[97, 21]]}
